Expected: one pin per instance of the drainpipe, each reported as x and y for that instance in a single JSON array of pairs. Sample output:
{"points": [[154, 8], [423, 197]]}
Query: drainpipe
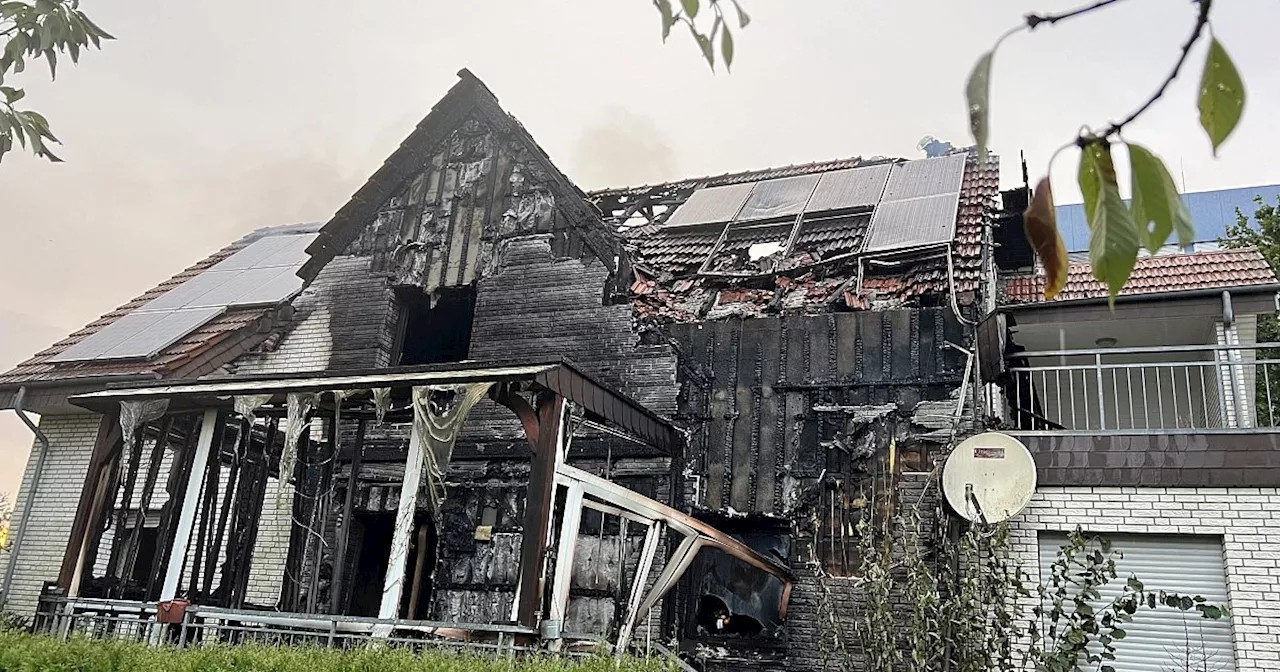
{"points": [[20, 534]]}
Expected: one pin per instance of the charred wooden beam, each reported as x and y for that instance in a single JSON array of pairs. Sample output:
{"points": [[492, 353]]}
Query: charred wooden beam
{"points": [[538, 502], [338, 588], [130, 551], [103, 451]]}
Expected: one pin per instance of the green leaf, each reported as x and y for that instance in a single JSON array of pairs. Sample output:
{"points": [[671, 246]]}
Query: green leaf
{"points": [[1106, 668], [1158, 209], [978, 95], [668, 18], [1134, 584], [1118, 634], [690, 8], [1221, 95], [704, 43], [52, 57], [11, 94], [1114, 240], [1211, 611], [743, 17], [726, 47]]}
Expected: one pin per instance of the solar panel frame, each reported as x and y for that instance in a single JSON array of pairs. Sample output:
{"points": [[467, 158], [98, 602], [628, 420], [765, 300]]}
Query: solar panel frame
{"points": [[925, 177], [914, 222], [262, 273], [850, 188], [138, 335], [711, 204], [783, 197]]}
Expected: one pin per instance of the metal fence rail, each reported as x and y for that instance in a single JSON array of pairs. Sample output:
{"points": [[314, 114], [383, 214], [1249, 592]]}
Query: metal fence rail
{"points": [[1171, 389], [127, 620]]}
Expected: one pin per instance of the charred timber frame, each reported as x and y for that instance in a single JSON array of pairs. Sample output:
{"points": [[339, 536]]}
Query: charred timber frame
{"points": [[539, 394]]}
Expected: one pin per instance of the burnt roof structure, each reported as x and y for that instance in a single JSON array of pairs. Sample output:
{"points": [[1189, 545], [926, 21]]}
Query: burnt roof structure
{"points": [[856, 234]]}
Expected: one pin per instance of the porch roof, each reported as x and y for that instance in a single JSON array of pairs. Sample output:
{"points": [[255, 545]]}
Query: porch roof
{"points": [[560, 376]]}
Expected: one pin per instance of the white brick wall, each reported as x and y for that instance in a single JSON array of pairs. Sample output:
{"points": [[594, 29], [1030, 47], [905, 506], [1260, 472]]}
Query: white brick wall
{"points": [[71, 439], [1248, 519]]}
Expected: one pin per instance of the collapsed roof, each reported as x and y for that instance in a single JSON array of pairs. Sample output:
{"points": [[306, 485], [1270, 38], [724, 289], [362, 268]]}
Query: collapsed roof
{"points": [[851, 234]]}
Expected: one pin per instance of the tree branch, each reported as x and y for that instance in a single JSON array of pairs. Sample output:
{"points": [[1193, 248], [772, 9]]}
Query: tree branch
{"points": [[1033, 20], [1202, 19]]}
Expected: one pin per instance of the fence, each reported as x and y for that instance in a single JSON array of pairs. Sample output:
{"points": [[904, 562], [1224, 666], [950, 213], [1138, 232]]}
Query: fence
{"points": [[1172, 389], [137, 621]]}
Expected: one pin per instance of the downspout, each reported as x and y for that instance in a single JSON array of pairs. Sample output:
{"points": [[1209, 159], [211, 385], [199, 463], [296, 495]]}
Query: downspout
{"points": [[43, 442]]}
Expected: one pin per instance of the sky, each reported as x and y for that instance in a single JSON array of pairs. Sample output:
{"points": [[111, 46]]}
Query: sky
{"points": [[205, 120]]}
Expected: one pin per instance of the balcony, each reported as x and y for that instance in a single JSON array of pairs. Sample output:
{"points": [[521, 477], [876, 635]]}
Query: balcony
{"points": [[1187, 389]]}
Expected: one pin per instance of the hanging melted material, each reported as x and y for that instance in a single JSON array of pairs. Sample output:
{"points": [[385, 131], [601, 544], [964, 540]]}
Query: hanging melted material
{"points": [[245, 404], [134, 414], [299, 405], [438, 414], [381, 402]]}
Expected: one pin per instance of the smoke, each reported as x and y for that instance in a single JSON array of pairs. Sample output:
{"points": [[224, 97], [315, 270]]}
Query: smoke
{"points": [[623, 149]]}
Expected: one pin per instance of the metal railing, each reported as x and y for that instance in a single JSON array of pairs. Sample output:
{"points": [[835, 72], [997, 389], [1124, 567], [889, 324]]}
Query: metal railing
{"points": [[1167, 389], [127, 620]]}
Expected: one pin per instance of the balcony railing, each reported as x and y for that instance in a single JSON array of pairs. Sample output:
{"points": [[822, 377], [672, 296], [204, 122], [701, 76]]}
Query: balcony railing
{"points": [[1167, 389]]}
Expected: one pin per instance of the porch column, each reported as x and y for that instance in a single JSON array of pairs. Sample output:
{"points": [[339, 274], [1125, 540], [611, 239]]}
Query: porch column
{"points": [[92, 493], [537, 514], [190, 506], [393, 585]]}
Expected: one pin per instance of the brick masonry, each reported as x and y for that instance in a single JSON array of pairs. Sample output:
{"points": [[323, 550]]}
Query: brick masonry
{"points": [[1247, 519], [71, 439]]}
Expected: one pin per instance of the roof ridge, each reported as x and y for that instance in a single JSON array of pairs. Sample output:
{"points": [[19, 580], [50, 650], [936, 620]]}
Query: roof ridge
{"points": [[1223, 251], [742, 175]]}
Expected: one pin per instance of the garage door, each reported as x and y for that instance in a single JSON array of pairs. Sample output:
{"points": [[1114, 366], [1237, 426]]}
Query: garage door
{"points": [[1166, 639]]}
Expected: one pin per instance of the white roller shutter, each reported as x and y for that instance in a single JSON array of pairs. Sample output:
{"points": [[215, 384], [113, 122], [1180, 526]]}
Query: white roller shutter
{"points": [[1158, 639]]}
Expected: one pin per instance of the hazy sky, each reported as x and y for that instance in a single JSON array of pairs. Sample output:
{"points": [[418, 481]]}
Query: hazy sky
{"points": [[205, 120]]}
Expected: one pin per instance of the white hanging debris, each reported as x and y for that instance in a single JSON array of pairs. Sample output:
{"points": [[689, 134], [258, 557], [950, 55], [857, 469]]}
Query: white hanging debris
{"points": [[381, 402], [438, 414], [245, 404], [298, 405], [134, 414]]}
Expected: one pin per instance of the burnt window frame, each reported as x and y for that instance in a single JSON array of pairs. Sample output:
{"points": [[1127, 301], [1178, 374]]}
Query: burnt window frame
{"points": [[410, 306]]}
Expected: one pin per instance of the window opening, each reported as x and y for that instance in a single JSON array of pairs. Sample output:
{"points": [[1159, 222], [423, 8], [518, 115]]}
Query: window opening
{"points": [[435, 333]]}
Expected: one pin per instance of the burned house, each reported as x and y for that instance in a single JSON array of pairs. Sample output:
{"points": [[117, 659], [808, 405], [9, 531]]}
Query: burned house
{"points": [[480, 404]]}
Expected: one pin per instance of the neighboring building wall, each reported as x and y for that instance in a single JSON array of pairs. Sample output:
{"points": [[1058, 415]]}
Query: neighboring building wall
{"points": [[71, 439], [1248, 520]]}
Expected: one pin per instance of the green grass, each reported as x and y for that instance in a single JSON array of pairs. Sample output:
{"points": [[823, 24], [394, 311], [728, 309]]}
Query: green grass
{"points": [[32, 653]]}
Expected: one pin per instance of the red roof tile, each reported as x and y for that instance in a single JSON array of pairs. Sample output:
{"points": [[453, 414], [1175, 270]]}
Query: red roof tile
{"points": [[1152, 275]]}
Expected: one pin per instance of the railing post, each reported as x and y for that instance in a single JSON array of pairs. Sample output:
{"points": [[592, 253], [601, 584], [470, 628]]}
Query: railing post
{"points": [[1102, 402]]}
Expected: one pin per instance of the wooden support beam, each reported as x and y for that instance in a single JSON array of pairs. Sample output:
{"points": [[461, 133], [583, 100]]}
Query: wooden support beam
{"points": [[190, 505], [103, 449], [337, 590], [130, 553], [637, 585], [568, 543], [175, 484], [537, 515]]}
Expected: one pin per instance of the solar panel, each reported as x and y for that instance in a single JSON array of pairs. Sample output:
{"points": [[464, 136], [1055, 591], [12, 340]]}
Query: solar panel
{"points": [[925, 177], [919, 204], [913, 222], [783, 197], [138, 335], [263, 273], [852, 188], [712, 204]]}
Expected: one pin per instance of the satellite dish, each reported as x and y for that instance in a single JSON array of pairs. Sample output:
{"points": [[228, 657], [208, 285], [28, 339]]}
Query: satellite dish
{"points": [[989, 477]]}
